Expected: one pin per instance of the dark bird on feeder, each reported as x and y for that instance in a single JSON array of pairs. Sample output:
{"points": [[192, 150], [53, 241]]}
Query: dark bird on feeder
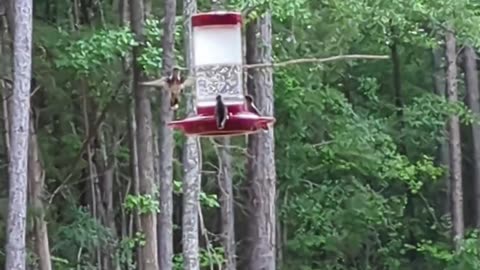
{"points": [[253, 109], [174, 83], [221, 113], [251, 105]]}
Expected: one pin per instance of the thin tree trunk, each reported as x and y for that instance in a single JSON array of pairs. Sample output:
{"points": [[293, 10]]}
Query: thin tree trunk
{"points": [[9, 12], [5, 70], [454, 142], [166, 145], [147, 7], [17, 167], [36, 176], [143, 115], [106, 165], [92, 169], [132, 131], [226, 204], [397, 86], [443, 151], [191, 163], [226, 190], [471, 80], [261, 175]]}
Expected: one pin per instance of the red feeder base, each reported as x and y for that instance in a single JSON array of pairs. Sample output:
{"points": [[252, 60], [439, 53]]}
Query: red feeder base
{"points": [[241, 122]]}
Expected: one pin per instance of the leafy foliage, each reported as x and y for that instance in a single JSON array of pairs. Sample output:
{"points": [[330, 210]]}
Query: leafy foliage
{"points": [[360, 185]]}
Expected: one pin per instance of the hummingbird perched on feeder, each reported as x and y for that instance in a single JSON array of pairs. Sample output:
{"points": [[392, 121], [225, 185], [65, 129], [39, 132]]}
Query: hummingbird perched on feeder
{"points": [[174, 83], [221, 113], [251, 105], [253, 109]]}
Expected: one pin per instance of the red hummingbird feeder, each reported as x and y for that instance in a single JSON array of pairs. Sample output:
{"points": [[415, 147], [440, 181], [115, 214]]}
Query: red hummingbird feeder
{"points": [[218, 61]]}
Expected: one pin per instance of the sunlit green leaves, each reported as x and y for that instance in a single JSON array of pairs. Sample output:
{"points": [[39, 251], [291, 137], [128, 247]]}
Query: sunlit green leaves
{"points": [[144, 204], [208, 200], [99, 50], [466, 258]]}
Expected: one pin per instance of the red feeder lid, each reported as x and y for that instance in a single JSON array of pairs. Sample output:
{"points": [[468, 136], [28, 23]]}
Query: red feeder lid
{"points": [[216, 18], [241, 122]]}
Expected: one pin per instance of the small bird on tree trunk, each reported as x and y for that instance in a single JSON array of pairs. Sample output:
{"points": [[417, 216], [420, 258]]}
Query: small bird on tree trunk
{"points": [[174, 83], [253, 109], [221, 113]]}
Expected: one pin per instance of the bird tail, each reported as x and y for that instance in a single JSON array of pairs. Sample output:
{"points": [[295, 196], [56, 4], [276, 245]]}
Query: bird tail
{"points": [[221, 122], [174, 103]]}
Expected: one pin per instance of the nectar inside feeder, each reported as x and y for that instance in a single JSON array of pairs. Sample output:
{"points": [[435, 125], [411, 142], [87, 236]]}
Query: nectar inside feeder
{"points": [[217, 51]]}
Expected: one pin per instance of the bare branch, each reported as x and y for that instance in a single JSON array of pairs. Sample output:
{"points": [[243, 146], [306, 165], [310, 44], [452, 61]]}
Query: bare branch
{"points": [[319, 60], [315, 60]]}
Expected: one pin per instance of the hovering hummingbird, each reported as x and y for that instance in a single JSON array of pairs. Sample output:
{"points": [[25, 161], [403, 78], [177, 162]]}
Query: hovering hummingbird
{"points": [[253, 109], [221, 113], [174, 83]]}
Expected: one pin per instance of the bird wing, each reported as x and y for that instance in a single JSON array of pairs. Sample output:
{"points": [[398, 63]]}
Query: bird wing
{"points": [[162, 82], [188, 82], [254, 108]]}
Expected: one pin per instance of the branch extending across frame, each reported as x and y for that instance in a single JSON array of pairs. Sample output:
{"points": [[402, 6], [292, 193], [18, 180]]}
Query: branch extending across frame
{"points": [[318, 60], [315, 60]]}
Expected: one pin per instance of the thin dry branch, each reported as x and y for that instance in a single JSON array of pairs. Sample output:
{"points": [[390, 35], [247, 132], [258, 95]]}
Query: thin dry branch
{"points": [[318, 60], [315, 60]]}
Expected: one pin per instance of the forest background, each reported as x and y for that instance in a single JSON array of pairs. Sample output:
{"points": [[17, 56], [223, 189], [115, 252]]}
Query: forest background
{"points": [[371, 164]]}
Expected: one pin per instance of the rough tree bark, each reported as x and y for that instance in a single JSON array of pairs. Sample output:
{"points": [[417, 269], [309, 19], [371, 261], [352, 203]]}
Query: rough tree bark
{"points": [[143, 115], [166, 145], [471, 80], [443, 151], [191, 162], [261, 175], [456, 194], [19, 134], [36, 175]]}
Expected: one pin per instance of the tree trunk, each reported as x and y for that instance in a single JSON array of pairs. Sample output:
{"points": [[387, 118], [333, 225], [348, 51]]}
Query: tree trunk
{"points": [[144, 135], [166, 145], [443, 151], [226, 204], [5, 71], [9, 12], [261, 175], [454, 142], [92, 170], [19, 134], [36, 176], [132, 131], [226, 191], [397, 86], [471, 81], [107, 164], [191, 162]]}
